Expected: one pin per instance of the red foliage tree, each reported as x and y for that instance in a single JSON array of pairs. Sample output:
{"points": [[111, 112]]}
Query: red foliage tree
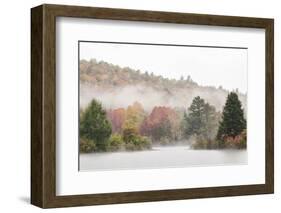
{"points": [[160, 123], [117, 118]]}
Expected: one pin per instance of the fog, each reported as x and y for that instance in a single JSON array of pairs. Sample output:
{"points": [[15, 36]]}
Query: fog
{"points": [[162, 157], [150, 97]]}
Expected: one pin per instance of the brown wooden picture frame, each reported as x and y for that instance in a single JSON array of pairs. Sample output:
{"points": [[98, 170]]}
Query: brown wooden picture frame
{"points": [[43, 105]]}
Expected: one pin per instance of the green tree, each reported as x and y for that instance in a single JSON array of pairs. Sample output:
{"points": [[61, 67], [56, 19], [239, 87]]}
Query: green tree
{"points": [[86, 145], [194, 120], [115, 143], [129, 134], [134, 141], [94, 125], [211, 121], [201, 122], [233, 121]]}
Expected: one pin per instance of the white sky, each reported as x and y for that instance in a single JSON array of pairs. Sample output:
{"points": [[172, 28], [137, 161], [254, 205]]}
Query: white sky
{"points": [[206, 66]]}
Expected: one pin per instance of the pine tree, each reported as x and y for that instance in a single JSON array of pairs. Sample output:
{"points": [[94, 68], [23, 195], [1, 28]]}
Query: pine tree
{"points": [[194, 119], [94, 125], [201, 122], [202, 119], [233, 121], [211, 122]]}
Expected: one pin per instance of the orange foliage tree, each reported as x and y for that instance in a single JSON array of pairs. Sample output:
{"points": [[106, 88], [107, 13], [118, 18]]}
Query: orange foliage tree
{"points": [[159, 125]]}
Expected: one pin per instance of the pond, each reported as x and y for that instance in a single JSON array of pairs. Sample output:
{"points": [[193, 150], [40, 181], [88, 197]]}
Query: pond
{"points": [[161, 157]]}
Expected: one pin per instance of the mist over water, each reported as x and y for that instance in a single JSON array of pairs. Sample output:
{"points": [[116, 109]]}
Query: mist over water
{"points": [[115, 87], [162, 157]]}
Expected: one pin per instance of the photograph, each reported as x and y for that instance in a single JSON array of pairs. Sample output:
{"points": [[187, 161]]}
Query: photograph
{"points": [[152, 105]]}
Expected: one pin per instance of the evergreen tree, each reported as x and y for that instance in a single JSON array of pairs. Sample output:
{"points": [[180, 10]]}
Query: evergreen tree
{"points": [[194, 119], [94, 126], [233, 121], [211, 122], [202, 120]]}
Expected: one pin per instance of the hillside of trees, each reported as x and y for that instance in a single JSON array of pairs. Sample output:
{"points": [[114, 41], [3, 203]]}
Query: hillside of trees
{"points": [[111, 83], [138, 125]]}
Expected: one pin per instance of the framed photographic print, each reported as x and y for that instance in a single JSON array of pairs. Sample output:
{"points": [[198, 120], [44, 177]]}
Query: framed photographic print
{"points": [[136, 106]]}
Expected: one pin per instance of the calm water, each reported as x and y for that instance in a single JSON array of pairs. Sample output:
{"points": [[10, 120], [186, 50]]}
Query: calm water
{"points": [[161, 157]]}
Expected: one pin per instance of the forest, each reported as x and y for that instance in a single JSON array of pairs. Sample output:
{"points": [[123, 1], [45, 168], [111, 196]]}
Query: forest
{"points": [[200, 123]]}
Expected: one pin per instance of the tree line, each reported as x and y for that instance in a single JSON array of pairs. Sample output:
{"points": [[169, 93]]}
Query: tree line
{"points": [[210, 129], [135, 129], [96, 133]]}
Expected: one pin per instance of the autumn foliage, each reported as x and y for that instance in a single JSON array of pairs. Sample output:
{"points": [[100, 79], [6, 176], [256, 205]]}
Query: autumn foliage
{"points": [[162, 125], [133, 128], [171, 115], [117, 118]]}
